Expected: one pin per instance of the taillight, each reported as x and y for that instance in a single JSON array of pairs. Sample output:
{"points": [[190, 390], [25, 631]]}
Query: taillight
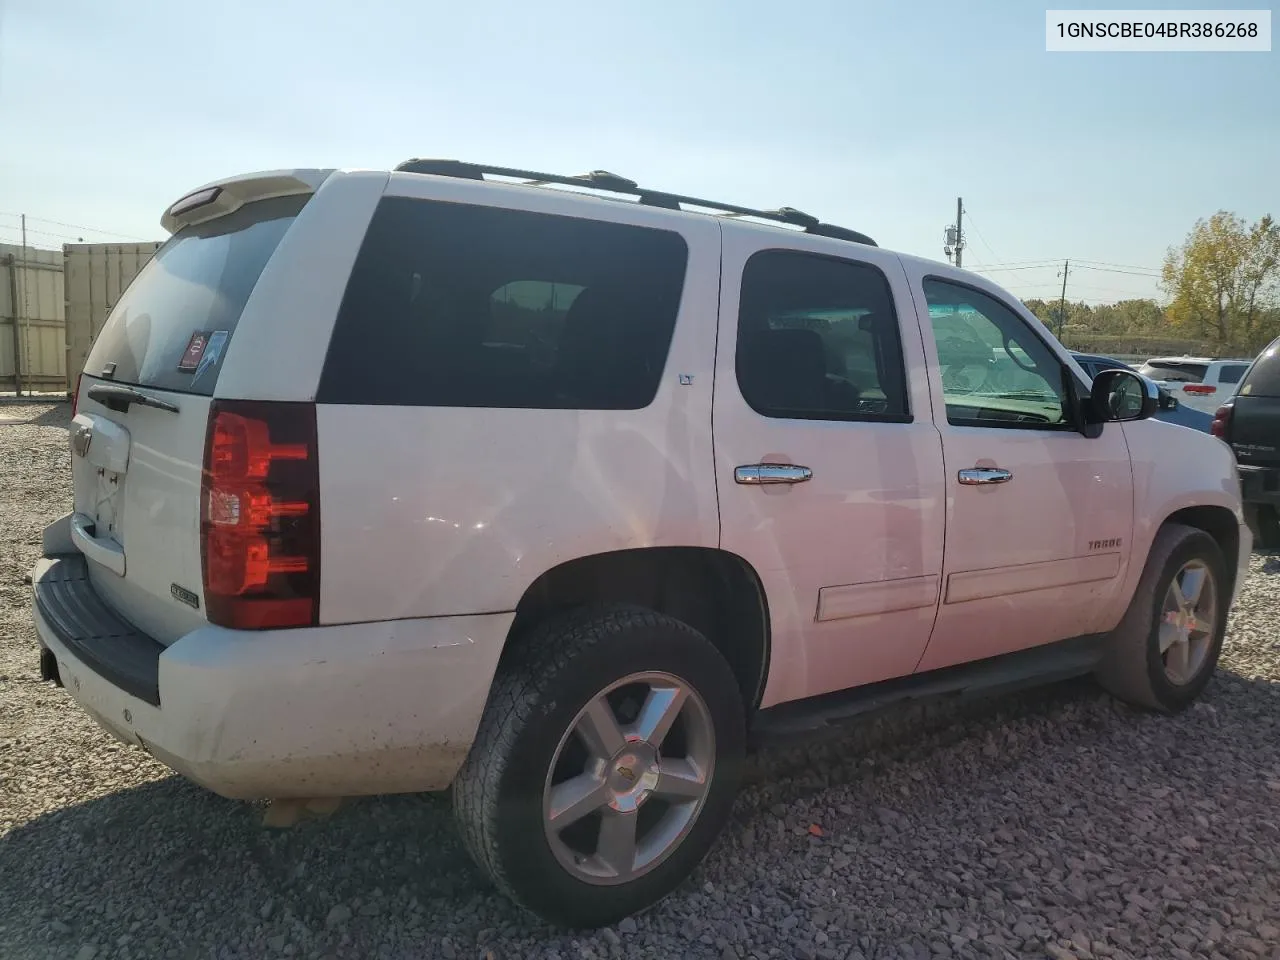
{"points": [[1221, 426], [260, 515], [1200, 389], [75, 397]]}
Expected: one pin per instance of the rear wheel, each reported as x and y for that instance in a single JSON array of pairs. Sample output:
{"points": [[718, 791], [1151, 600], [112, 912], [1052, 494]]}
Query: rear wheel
{"points": [[1166, 647], [605, 765]]}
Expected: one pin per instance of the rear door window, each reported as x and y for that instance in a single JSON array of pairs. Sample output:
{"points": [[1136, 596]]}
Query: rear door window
{"points": [[171, 328], [818, 340], [1232, 372], [454, 305], [1175, 372]]}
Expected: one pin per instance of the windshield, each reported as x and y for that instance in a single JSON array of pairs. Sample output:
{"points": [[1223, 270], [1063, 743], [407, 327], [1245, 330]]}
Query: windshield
{"points": [[172, 326]]}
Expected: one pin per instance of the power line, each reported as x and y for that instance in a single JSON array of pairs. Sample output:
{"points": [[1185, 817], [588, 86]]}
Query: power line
{"points": [[981, 237], [1132, 273], [1053, 261], [43, 233], [1035, 266], [1086, 286], [1018, 263], [1131, 266], [71, 226]]}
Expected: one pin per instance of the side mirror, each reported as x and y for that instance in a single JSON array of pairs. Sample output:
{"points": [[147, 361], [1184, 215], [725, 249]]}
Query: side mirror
{"points": [[1119, 395], [1168, 401]]}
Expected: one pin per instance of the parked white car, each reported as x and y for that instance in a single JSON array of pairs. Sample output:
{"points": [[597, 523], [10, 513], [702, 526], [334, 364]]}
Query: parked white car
{"points": [[408, 480], [1201, 383]]}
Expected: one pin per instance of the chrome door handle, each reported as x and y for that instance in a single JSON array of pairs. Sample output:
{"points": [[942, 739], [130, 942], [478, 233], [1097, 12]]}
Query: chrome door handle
{"points": [[978, 475], [771, 473]]}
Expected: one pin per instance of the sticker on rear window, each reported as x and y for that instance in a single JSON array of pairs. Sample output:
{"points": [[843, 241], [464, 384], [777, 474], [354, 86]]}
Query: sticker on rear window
{"points": [[195, 350], [213, 350]]}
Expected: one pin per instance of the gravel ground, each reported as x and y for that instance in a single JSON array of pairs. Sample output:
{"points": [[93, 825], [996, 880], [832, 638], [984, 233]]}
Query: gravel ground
{"points": [[1057, 824]]}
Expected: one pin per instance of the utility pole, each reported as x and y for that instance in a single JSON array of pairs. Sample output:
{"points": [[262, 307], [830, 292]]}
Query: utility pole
{"points": [[1062, 302], [26, 306], [953, 235], [17, 332]]}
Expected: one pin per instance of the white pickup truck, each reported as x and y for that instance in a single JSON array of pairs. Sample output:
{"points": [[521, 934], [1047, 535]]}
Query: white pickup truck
{"points": [[446, 476]]}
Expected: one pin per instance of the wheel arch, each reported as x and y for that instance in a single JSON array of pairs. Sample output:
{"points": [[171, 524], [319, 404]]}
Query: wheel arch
{"points": [[716, 592], [1220, 523]]}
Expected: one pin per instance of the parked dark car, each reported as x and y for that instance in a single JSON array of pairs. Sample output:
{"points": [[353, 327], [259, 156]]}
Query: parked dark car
{"points": [[1171, 411], [1250, 423]]}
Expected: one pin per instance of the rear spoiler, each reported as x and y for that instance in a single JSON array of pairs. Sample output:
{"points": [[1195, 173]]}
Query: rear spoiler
{"points": [[222, 197]]}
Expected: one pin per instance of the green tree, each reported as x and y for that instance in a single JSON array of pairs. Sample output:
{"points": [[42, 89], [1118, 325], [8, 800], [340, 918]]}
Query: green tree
{"points": [[1224, 282]]}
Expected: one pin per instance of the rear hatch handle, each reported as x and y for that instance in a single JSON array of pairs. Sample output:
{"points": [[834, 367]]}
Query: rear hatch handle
{"points": [[118, 397]]}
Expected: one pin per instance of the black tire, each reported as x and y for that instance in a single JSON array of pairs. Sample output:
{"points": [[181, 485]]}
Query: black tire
{"points": [[1132, 668], [537, 693], [1264, 523]]}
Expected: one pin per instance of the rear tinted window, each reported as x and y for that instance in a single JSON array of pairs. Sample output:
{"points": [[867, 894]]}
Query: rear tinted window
{"points": [[1178, 372], [1263, 379], [818, 340], [467, 306], [171, 328], [1232, 372]]}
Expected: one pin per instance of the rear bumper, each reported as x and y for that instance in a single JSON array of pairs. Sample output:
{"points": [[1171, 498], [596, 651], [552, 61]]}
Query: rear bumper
{"points": [[387, 707], [1259, 484]]}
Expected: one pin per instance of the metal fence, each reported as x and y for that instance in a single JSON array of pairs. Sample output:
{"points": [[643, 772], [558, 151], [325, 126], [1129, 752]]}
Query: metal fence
{"points": [[52, 306], [96, 274], [33, 354]]}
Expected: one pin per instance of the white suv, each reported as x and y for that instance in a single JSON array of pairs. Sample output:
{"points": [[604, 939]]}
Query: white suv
{"points": [[397, 481], [1201, 383]]}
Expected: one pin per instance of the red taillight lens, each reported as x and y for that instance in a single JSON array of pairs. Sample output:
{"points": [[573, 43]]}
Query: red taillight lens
{"points": [[1221, 426], [75, 397], [260, 515], [1201, 389]]}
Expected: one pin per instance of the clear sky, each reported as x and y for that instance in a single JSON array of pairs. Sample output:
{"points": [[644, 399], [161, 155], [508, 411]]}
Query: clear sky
{"points": [[871, 115]]}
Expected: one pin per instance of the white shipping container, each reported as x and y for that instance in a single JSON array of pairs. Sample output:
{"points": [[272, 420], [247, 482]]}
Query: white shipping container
{"points": [[95, 275]]}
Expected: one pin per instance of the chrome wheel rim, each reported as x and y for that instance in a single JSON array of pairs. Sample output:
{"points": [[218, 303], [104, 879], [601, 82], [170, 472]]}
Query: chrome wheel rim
{"points": [[628, 778], [1188, 620]]}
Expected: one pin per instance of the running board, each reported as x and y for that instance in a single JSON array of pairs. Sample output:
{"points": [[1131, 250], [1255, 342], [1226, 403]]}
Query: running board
{"points": [[983, 678]]}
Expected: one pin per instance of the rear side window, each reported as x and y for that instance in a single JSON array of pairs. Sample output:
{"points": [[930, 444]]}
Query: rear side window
{"points": [[1232, 372], [818, 340], [453, 305], [1263, 379], [171, 328], [1175, 372]]}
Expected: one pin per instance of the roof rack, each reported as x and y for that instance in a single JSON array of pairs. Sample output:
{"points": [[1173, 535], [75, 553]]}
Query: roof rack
{"points": [[611, 182]]}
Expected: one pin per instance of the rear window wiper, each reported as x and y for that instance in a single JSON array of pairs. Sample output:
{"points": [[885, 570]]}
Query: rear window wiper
{"points": [[115, 396]]}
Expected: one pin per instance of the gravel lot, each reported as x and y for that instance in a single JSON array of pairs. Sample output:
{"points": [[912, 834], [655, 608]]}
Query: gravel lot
{"points": [[1057, 824]]}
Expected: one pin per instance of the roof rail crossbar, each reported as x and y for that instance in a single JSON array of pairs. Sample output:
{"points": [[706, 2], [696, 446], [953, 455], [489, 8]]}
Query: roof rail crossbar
{"points": [[611, 182]]}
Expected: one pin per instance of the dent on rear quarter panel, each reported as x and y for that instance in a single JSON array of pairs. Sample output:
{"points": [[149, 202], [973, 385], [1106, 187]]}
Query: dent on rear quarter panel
{"points": [[279, 346], [1173, 468], [435, 511]]}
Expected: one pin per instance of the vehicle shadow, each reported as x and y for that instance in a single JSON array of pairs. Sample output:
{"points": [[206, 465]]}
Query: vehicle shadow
{"points": [[34, 412], [187, 870], [189, 874]]}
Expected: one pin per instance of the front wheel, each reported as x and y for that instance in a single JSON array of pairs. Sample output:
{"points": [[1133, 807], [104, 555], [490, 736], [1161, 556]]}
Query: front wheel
{"points": [[605, 765], [1166, 647]]}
